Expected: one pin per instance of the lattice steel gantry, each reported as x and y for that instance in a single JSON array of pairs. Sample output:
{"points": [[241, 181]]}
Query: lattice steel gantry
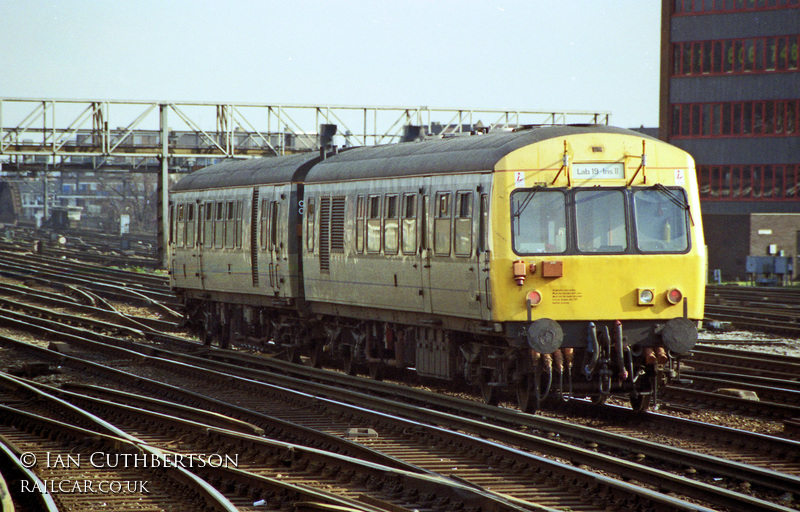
{"points": [[95, 134]]}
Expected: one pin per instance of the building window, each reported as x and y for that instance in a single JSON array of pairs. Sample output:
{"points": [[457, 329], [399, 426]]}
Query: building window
{"points": [[736, 56], [693, 7], [736, 119], [749, 182]]}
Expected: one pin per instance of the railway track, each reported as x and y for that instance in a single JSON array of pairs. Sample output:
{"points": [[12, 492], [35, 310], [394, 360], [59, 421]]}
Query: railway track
{"points": [[738, 380], [758, 486], [88, 246], [235, 458], [769, 309], [578, 455]]}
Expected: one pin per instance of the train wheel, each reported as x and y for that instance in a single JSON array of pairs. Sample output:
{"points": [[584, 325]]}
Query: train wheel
{"points": [[293, 353], [317, 354], [640, 403], [528, 394], [349, 357], [489, 394], [376, 371]]}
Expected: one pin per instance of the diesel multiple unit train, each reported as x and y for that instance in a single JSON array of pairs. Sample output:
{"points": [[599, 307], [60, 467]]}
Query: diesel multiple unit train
{"points": [[547, 261]]}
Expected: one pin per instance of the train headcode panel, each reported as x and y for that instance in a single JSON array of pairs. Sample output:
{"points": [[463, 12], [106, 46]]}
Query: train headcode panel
{"points": [[547, 262]]}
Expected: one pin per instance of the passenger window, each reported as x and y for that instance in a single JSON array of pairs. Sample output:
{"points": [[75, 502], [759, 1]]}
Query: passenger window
{"points": [[409, 227], [219, 235], [441, 224], [463, 224], [230, 225], [173, 221], [237, 226], [310, 213], [208, 226], [374, 225], [483, 235], [181, 226], [264, 223], [190, 225], [390, 225], [273, 228], [600, 219], [360, 207]]}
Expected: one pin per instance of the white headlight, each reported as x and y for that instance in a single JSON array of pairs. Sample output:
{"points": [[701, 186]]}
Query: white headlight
{"points": [[646, 296]]}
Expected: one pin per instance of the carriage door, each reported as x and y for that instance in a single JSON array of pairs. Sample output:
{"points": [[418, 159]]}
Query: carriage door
{"points": [[266, 257], [484, 258], [271, 237], [197, 250], [425, 248]]}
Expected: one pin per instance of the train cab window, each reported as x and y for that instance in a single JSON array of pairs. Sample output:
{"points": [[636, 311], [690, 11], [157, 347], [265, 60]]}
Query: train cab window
{"points": [[441, 224], [219, 220], [661, 220], [208, 225], [391, 233], [462, 239], [408, 231], [310, 213], [374, 225], [190, 225], [181, 225], [600, 220], [360, 211], [539, 221]]}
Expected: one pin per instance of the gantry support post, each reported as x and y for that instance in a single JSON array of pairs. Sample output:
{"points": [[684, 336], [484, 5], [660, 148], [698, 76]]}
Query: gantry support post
{"points": [[163, 191]]}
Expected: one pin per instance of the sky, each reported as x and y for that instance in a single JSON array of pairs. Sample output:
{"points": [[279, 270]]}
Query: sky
{"points": [[563, 55]]}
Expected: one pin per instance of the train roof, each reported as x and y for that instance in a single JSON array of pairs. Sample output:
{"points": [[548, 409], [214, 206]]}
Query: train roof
{"points": [[244, 173], [449, 155], [434, 156]]}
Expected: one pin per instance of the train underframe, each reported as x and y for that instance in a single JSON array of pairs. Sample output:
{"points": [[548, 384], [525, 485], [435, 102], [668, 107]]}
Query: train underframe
{"points": [[595, 360]]}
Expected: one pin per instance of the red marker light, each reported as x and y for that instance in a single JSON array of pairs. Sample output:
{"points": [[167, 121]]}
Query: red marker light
{"points": [[534, 297], [674, 296]]}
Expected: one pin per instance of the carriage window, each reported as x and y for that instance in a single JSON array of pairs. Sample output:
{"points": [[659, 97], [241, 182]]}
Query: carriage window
{"points": [[483, 236], [239, 212], [208, 225], [264, 223], [661, 220], [390, 226], [230, 224], [219, 235], [600, 219], [190, 225], [310, 212], [539, 221], [462, 241], [181, 226], [441, 225], [374, 225], [409, 227], [273, 221], [172, 224], [360, 224]]}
